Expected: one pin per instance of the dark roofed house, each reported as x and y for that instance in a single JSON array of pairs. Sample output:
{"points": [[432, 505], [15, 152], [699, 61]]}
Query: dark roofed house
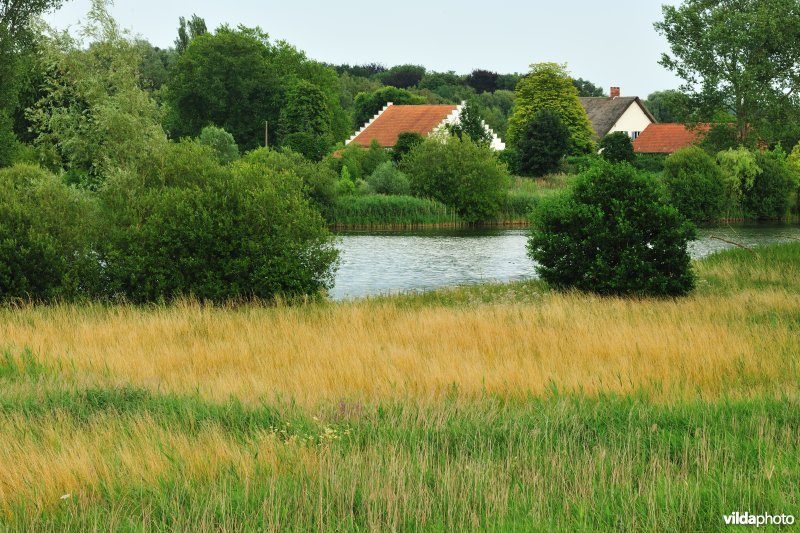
{"points": [[609, 114], [669, 138], [427, 120]]}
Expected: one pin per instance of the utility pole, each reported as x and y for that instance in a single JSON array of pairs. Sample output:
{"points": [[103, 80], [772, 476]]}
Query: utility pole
{"points": [[266, 134]]}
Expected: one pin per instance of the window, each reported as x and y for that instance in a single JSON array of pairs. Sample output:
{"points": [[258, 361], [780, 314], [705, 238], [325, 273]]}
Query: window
{"points": [[635, 134]]}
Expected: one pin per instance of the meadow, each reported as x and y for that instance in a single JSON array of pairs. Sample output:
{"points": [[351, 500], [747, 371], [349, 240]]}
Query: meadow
{"points": [[495, 406]]}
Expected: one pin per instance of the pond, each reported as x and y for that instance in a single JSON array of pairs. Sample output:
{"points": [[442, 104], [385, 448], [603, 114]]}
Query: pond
{"points": [[387, 263]]}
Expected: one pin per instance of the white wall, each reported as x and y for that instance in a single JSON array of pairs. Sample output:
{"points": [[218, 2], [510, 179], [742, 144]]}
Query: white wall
{"points": [[634, 120]]}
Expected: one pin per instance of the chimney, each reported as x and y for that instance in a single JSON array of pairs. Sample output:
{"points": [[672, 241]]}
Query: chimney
{"points": [[614, 92]]}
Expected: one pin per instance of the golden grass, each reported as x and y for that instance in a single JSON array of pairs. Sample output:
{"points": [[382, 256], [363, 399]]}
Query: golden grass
{"points": [[706, 345]]}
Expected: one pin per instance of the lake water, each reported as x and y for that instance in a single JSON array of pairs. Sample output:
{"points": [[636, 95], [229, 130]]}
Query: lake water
{"points": [[387, 263]]}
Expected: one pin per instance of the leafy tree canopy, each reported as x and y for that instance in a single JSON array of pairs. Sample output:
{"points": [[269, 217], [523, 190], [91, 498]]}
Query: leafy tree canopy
{"points": [[548, 86]]}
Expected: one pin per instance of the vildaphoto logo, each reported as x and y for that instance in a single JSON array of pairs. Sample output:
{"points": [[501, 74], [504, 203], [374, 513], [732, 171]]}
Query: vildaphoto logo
{"points": [[758, 520]]}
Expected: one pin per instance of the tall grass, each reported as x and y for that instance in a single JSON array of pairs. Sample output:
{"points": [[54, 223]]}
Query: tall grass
{"points": [[382, 210], [501, 407]]}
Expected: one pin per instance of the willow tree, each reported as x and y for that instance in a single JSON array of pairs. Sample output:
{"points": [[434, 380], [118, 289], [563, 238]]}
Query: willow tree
{"points": [[549, 86]]}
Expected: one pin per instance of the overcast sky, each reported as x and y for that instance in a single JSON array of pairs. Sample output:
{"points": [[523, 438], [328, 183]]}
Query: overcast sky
{"points": [[609, 42]]}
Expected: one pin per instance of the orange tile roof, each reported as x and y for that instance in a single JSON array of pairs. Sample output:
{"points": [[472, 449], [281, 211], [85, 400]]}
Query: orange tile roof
{"points": [[668, 138], [399, 119]]}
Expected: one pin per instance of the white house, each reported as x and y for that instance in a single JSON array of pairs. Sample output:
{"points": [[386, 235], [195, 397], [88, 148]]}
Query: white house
{"points": [[426, 120], [609, 114]]}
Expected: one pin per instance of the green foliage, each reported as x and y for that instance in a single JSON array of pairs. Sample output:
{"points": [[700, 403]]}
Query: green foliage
{"points": [[471, 124], [740, 170], [587, 88], [402, 76], [319, 180], [47, 231], [650, 162], [612, 234], [460, 174], [345, 186], [9, 145], [189, 30], [669, 106], [221, 142], [734, 55], [306, 112], [373, 157], [387, 179], [228, 233], [548, 86], [617, 147], [378, 209], [368, 105], [769, 198], [575, 164], [495, 109], [93, 117], [542, 144], [720, 137], [406, 142], [696, 184]]}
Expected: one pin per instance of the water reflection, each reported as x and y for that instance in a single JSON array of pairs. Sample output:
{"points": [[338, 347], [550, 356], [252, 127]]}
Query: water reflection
{"points": [[387, 263]]}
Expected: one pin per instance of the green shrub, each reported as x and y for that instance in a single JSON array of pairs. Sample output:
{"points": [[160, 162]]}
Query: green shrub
{"points": [[650, 162], [372, 158], [46, 237], [241, 231], [406, 142], [391, 210], [460, 174], [221, 142], [696, 184], [312, 146], [318, 179], [519, 205], [617, 147], [387, 179], [612, 234], [510, 158], [770, 196], [542, 143]]}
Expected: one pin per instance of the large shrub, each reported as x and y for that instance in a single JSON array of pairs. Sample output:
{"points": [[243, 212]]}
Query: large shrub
{"points": [[46, 237], [611, 233], [387, 179], [222, 142], [460, 174], [319, 179], [617, 147], [542, 144], [406, 142], [770, 196], [696, 184], [241, 231]]}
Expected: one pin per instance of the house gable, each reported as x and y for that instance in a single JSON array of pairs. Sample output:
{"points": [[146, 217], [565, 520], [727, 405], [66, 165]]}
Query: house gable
{"points": [[618, 113]]}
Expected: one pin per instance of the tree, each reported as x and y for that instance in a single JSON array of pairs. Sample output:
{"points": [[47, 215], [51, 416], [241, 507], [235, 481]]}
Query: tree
{"points": [[221, 142], [617, 147], [769, 197], [188, 31], [612, 234], [460, 174], [696, 184], [387, 179], [548, 86], [306, 113], [93, 118], [734, 54], [368, 105], [406, 142], [669, 106], [471, 124], [483, 81], [544, 143], [403, 76], [740, 169], [587, 88]]}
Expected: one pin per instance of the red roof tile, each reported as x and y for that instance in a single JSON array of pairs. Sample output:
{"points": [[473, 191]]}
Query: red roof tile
{"points": [[399, 119], [668, 138]]}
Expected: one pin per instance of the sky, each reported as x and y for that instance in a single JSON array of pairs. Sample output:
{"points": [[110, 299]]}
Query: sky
{"points": [[609, 42]]}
